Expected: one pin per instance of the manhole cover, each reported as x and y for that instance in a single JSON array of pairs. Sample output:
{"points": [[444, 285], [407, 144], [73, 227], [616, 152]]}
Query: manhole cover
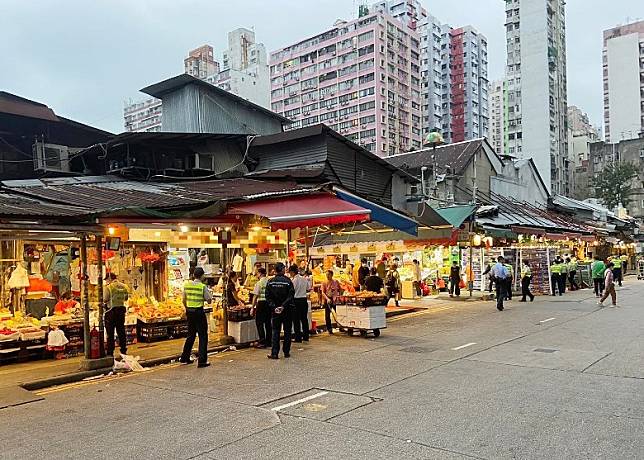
{"points": [[545, 350], [416, 350]]}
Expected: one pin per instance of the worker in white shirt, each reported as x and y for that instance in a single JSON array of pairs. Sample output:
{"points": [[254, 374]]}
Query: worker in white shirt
{"points": [[302, 285], [500, 274]]}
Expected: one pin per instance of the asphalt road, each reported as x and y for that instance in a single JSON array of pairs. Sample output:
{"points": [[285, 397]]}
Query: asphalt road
{"points": [[557, 378]]}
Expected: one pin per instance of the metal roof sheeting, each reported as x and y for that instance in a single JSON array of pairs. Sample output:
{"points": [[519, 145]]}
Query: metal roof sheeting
{"points": [[20, 206], [118, 194]]}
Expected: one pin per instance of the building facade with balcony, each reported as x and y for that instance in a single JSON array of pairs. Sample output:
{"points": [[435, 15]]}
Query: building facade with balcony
{"points": [[454, 80], [498, 116], [623, 73], [361, 78]]}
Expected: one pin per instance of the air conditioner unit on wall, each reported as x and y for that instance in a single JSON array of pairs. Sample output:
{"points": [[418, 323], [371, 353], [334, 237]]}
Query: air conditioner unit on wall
{"points": [[52, 157]]}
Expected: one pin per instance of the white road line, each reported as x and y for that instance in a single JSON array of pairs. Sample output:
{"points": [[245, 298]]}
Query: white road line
{"points": [[546, 320], [299, 401], [464, 346]]}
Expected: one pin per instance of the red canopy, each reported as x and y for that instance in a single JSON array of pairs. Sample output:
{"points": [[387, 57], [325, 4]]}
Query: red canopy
{"points": [[303, 211]]}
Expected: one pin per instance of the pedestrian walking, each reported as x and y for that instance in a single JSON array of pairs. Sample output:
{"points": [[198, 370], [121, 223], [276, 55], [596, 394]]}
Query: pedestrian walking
{"points": [[499, 274], [617, 270], [509, 280], [392, 283], [572, 273], [609, 283], [261, 311], [624, 261], [598, 268], [526, 278], [195, 293], [374, 283], [331, 290], [487, 272], [301, 286], [279, 296], [455, 279], [114, 318]]}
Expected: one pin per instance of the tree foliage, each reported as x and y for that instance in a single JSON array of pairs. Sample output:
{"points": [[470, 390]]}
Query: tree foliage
{"points": [[613, 184]]}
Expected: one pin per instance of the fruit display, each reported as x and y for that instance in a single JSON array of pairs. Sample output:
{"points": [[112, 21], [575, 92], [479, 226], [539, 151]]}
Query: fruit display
{"points": [[149, 310]]}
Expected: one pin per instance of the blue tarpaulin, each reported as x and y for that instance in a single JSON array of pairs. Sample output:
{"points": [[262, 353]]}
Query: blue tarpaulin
{"points": [[381, 214]]}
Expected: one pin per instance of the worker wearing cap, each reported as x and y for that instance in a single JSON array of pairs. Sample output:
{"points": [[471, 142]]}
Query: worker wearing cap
{"points": [[195, 294], [526, 278]]}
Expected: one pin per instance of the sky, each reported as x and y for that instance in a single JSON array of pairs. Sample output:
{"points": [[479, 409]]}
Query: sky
{"points": [[85, 59]]}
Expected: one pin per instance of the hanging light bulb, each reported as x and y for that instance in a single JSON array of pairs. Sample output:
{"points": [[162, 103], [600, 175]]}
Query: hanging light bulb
{"points": [[476, 240]]}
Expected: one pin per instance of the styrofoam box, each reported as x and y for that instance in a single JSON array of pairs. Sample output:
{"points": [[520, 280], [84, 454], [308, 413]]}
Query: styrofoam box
{"points": [[361, 317], [243, 331]]}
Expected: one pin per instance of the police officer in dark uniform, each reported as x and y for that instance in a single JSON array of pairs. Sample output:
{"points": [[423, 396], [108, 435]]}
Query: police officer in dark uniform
{"points": [[280, 295]]}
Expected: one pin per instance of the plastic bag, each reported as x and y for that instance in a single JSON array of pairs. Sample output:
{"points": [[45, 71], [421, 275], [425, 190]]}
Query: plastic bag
{"points": [[461, 284], [132, 362]]}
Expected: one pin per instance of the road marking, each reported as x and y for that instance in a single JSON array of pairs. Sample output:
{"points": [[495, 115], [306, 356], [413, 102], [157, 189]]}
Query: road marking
{"points": [[464, 346], [546, 320], [299, 401]]}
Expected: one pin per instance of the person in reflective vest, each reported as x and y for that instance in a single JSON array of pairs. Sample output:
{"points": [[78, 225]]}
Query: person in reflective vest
{"points": [[555, 275], [526, 278], [563, 275], [617, 269], [114, 318], [624, 262], [572, 273], [509, 281], [195, 293]]}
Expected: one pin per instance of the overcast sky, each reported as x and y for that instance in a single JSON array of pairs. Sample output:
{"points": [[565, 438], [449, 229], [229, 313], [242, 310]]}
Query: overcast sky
{"points": [[84, 59]]}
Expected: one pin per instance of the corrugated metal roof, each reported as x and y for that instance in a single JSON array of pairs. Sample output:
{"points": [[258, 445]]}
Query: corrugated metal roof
{"points": [[16, 105], [164, 87], [12, 205], [457, 156], [111, 195]]}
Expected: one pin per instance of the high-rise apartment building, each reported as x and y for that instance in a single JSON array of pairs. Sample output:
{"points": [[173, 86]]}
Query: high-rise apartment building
{"points": [[454, 81], [465, 108], [624, 82], [536, 83], [361, 78], [497, 132], [201, 63], [245, 68], [244, 73]]}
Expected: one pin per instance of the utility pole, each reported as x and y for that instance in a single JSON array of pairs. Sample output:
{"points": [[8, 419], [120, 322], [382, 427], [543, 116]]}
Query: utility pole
{"points": [[470, 282]]}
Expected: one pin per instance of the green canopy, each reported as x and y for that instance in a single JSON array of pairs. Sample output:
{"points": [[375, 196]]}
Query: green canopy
{"points": [[456, 215]]}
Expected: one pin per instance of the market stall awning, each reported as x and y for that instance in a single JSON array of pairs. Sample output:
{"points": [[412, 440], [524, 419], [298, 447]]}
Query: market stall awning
{"points": [[385, 216], [303, 211], [456, 215]]}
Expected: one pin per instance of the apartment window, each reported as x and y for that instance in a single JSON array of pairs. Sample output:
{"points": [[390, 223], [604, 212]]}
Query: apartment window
{"points": [[365, 50], [366, 78], [328, 76], [367, 92], [328, 115], [367, 119], [368, 106]]}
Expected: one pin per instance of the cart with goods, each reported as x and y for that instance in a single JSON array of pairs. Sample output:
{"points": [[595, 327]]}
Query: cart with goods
{"points": [[363, 312]]}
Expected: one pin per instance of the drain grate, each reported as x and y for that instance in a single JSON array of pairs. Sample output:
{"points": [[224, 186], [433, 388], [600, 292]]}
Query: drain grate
{"points": [[545, 350]]}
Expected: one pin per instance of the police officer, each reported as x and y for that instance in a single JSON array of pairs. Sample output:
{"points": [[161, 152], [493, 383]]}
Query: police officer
{"points": [[509, 281], [526, 278], [617, 269], [195, 293], [115, 296], [280, 295], [563, 275], [572, 273], [555, 275]]}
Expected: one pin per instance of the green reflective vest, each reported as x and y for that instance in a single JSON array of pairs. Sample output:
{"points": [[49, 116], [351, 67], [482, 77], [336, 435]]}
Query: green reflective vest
{"points": [[572, 266], [194, 294], [555, 269], [526, 272], [510, 270], [563, 267], [261, 285], [118, 294]]}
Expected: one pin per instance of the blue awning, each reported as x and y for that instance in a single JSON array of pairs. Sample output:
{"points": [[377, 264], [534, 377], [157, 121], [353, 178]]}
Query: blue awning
{"points": [[381, 214]]}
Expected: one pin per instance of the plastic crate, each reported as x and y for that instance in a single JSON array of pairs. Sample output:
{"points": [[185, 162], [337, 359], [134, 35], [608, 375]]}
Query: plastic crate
{"points": [[239, 314], [178, 330], [151, 332]]}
